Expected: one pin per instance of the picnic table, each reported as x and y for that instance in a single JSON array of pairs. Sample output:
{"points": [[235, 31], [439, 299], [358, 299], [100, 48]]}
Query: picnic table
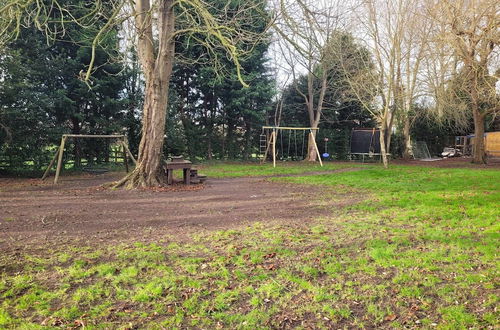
{"points": [[178, 164]]}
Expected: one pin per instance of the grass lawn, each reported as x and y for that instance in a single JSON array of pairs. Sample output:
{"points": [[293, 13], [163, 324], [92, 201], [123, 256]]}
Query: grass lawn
{"points": [[418, 248], [238, 169]]}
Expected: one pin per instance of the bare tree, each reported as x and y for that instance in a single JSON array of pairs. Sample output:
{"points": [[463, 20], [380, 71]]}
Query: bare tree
{"points": [[470, 29], [381, 33], [410, 86], [395, 33], [306, 28], [156, 29]]}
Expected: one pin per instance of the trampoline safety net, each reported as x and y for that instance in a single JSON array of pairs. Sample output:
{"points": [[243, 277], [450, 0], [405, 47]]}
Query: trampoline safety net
{"points": [[420, 150], [365, 141]]}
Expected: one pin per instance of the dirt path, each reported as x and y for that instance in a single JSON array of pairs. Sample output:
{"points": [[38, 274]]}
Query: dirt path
{"points": [[79, 210]]}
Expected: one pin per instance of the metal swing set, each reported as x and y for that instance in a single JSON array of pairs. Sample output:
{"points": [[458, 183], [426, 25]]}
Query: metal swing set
{"points": [[269, 139]]}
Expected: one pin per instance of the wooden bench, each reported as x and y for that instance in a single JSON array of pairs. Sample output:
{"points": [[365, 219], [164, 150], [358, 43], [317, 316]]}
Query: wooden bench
{"points": [[195, 177]]}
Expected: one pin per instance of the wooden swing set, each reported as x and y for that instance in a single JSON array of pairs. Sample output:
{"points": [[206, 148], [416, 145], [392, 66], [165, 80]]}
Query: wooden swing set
{"points": [[269, 137], [122, 141]]}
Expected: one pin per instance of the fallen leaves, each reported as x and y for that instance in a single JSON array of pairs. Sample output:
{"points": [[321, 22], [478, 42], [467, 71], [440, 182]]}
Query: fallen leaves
{"points": [[270, 255], [79, 324], [176, 188], [52, 321], [59, 322], [270, 267]]}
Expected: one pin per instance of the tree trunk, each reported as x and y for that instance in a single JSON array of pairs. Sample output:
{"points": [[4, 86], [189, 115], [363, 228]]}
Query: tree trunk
{"points": [[407, 138], [77, 151], [106, 152], [231, 135], [479, 156], [188, 133], [311, 151], [148, 172], [210, 125], [383, 149], [209, 148], [157, 70], [315, 116], [185, 119], [223, 142], [388, 129], [248, 140]]}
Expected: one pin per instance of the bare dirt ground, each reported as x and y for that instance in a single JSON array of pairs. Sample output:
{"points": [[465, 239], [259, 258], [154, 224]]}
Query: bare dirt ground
{"points": [[80, 211]]}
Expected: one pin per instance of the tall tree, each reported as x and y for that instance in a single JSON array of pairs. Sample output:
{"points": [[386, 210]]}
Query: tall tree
{"points": [[470, 29], [214, 110], [156, 32], [341, 111], [41, 84], [394, 31], [27, 126], [409, 81], [306, 29]]}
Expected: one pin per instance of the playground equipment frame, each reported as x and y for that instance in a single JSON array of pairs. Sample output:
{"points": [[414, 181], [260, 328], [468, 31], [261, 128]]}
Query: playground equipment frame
{"points": [[60, 151], [274, 136]]}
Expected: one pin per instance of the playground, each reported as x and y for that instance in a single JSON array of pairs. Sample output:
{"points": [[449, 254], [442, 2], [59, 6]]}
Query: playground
{"points": [[299, 245], [291, 164]]}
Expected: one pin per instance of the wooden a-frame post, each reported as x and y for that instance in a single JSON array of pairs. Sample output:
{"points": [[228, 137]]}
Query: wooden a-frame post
{"points": [[125, 147], [60, 151], [267, 150], [274, 135], [315, 146], [51, 164], [59, 160]]}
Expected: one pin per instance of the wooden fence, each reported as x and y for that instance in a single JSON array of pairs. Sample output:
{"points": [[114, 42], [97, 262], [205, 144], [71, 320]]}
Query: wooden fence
{"points": [[492, 144]]}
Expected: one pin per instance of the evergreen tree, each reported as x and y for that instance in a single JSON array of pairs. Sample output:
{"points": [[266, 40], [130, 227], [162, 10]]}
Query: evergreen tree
{"points": [[216, 116], [42, 97]]}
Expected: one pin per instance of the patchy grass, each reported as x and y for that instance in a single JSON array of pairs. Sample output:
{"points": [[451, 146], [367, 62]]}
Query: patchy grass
{"points": [[231, 170], [421, 250], [465, 199]]}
